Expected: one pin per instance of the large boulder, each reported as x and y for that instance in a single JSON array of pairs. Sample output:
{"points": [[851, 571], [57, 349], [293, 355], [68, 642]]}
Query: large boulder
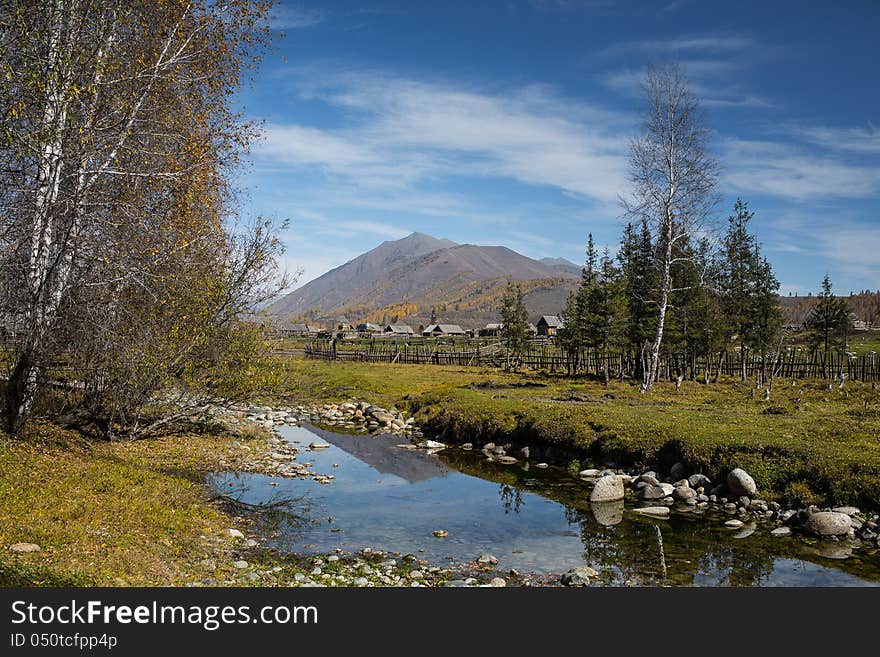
{"points": [[607, 489], [739, 482], [828, 523], [677, 471], [684, 493], [656, 492]]}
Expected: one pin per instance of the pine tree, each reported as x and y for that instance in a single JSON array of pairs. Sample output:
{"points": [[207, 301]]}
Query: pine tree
{"points": [[580, 322], [829, 322], [609, 310], [749, 287], [636, 262]]}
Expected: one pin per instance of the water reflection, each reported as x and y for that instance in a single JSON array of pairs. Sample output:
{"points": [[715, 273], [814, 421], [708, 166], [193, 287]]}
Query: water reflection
{"points": [[391, 498]]}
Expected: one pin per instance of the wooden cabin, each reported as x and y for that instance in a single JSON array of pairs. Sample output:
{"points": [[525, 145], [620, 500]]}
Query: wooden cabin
{"points": [[398, 331], [443, 331], [549, 325]]}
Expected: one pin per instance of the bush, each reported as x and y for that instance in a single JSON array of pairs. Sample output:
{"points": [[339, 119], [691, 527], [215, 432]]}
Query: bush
{"points": [[798, 494]]}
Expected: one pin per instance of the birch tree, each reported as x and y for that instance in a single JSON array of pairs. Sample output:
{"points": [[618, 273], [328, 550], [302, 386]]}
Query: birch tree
{"points": [[112, 111], [673, 180]]}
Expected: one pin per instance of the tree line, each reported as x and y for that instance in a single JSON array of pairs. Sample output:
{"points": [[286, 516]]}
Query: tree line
{"points": [[677, 283]]}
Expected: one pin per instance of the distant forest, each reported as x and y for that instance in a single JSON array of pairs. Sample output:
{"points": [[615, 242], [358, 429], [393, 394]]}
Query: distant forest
{"points": [[865, 305]]}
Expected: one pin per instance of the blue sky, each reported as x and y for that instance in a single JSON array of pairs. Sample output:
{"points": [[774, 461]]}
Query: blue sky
{"points": [[508, 123]]}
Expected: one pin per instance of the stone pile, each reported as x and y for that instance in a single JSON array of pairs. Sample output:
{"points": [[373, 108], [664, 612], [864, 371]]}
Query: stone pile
{"points": [[360, 417]]}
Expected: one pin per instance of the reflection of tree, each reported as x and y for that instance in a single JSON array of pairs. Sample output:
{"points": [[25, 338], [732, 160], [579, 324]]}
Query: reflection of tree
{"points": [[693, 554], [511, 498], [697, 549], [734, 567]]}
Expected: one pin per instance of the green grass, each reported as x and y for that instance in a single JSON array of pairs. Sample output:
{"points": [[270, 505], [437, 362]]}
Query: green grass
{"points": [[106, 513], [807, 440]]}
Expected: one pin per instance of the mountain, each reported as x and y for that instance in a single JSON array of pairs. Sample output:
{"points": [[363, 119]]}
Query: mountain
{"points": [[352, 280], [404, 280], [563, 265]]}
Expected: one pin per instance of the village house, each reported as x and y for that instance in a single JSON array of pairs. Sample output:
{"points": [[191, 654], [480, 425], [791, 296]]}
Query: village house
{"points": [[299, 330], [491, 330], [368, 327], [549, 325], [398, 331], [443, 330]]}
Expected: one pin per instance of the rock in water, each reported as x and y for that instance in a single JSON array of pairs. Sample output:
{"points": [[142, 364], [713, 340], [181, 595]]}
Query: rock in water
{"points": [[658, 492], [741, 483], [440, 533], [684, 493], [487, 560], [653, 511], [607, 489], [579, 576], [828, 523]]}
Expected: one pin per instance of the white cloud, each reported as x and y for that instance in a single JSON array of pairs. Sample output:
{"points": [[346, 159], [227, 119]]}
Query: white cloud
{"points": [[703, 79], [857, 140], [408, 131], [793, 173], [293, 16], [374, 228], [702, 44], [296, 144]]}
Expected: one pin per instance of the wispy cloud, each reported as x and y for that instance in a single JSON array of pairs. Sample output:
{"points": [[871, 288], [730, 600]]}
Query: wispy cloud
{"points": [[293, 16], [857, 140], [374, 228], [705, 44], [703, 76], [405, 131], [791, 172]]}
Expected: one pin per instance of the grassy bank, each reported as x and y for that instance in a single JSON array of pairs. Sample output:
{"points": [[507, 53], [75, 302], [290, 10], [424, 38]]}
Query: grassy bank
{"points": [[807, 444], [140, 514], [108, 513]]}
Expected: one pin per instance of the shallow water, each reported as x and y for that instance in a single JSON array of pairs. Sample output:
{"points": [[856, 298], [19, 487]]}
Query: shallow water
{"points": [[534, 520]]}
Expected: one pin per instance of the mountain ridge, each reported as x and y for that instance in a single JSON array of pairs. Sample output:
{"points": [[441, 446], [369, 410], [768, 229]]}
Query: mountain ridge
{"points": [[404, 280]]}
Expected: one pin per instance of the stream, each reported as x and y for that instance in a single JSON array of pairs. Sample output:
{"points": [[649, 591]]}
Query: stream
{"points": [[531, 519]]}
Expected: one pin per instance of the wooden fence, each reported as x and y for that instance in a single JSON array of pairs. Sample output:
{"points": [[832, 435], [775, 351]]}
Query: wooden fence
{"points": [[790, 364]]}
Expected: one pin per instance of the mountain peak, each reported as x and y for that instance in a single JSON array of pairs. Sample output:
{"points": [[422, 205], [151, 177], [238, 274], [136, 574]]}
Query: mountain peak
{"points": [[424, 238], [417, 272]]}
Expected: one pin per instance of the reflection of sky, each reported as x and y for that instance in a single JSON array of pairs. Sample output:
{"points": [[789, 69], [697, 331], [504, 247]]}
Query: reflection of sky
{"points": [[523, 529]]}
